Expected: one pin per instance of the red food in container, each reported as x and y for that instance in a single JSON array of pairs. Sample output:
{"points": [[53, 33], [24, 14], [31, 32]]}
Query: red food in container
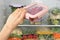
{"points": [[35, 11], [30, 37]]}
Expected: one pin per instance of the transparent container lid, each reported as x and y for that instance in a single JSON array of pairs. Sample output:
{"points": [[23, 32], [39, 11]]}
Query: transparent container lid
{"points": [[15, 5]]}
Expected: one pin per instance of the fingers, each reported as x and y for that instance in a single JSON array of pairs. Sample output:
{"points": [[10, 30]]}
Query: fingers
{"points": [[18, 16], [22, 10], [15, 12], [22, 14]]}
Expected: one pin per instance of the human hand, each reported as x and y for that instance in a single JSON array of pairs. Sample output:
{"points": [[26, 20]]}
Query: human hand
{"points": [[16, 18]]}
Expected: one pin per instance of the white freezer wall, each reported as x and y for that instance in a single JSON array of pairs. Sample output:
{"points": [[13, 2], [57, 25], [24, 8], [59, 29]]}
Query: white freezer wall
{"points": [[49, 3], [2, 17], [5, 9], [3, 12]]}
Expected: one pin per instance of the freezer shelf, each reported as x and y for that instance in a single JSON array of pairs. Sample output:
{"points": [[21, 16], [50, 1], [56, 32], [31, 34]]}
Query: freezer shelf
{"points": [[40, 25], [38, 33]]}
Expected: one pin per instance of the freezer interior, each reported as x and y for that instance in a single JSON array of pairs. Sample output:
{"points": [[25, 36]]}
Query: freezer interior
{"points": [[36, 33]]}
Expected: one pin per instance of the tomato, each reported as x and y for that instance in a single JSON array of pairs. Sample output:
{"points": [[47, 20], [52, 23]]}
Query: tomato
{"points": [[14, 38]]}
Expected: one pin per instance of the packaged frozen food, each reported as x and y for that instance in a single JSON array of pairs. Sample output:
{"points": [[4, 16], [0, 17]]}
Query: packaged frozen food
{"points": [[56, 36], [35, 11], [30, 37]]}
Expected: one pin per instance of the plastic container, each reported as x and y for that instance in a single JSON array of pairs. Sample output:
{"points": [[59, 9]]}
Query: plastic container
{"points": [[15, 6], [54, 17], [30, 37], [35, 11], [56, 36]]}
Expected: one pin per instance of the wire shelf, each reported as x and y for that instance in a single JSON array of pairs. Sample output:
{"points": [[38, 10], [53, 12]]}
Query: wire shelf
{"points": [[41, 25]]}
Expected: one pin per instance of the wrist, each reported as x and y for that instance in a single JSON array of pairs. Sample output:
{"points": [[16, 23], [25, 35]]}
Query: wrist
{"points": [[8, 26], [6, 29], [5, 32]]}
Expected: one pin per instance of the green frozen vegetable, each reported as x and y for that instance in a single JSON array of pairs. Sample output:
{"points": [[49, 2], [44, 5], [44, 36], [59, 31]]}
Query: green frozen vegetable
{"points": [[55, 22], [56, 11]]}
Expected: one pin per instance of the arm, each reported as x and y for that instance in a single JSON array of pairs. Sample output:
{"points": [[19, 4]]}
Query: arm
{"points": [[14, 19]]}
